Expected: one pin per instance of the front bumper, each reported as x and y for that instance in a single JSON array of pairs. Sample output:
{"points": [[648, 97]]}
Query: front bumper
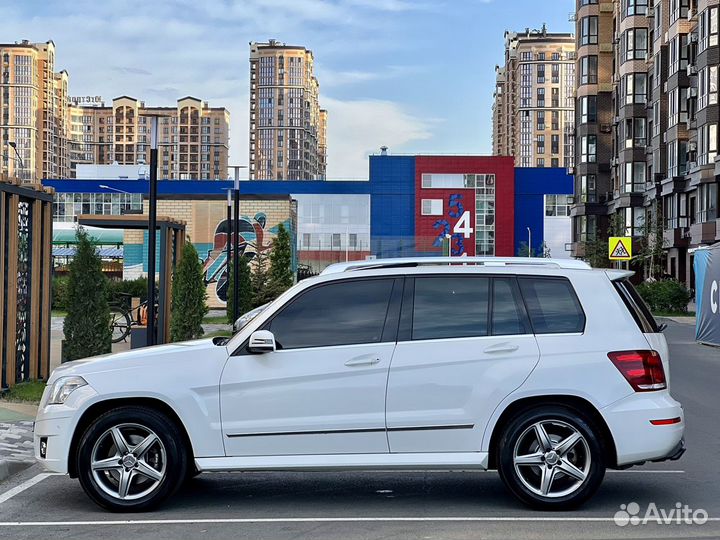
{"points": [[636, 439], [55, 425]]}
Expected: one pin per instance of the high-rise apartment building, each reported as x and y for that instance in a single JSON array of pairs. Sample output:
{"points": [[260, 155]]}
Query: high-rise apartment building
{"points": [[288, 138], [534, 99], [34, 126], [193, 137], [647, 117]]}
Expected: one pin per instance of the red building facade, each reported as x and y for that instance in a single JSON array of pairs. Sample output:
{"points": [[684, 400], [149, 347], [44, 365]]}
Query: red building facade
{"points": [[469, 198]]}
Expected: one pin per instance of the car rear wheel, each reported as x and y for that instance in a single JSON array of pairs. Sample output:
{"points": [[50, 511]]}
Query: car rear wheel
{"points": [[551, 458], [130, 459]]}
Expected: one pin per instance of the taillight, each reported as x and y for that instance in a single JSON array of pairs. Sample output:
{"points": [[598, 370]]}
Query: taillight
{"points": [[642, 369]]}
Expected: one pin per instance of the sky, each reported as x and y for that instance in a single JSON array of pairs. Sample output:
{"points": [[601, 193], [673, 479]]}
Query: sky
{"points": [[414, 75]]}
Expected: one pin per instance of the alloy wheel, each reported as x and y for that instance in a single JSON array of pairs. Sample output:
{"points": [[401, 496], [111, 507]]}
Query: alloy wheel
{"points": [[552, 458], [128, 461]]}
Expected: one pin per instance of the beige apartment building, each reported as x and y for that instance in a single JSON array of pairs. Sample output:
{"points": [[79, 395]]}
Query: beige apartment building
{"points": [[193, 137], [533, 110], [33, 112], [647, 116], [288, 129]]}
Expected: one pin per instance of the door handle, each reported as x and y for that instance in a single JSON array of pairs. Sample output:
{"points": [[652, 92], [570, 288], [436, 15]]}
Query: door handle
{"points": [[365, 360], [501, 348]]}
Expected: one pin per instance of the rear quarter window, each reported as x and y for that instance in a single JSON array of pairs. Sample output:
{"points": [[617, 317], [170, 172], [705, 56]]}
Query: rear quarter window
{"points": [[552, 305], [636, 306]]}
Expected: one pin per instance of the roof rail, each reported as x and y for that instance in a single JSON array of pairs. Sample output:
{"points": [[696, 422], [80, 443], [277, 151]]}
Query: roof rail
{"points": [[411, 262]]}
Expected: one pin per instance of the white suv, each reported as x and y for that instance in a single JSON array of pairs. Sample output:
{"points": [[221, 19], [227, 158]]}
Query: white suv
{"points": [[547, 370]]}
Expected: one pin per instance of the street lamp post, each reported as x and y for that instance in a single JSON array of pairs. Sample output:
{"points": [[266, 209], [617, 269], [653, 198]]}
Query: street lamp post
{"points": [[13, 145], [228, 245], [236, 244], [152, 232], [529, 242]]}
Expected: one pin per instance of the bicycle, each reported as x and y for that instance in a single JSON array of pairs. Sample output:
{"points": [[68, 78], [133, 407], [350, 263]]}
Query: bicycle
{"points": [[122, 317]]}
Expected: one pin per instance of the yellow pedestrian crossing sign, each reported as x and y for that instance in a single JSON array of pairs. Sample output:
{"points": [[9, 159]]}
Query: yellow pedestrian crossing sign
{"points": [[620, 248]]}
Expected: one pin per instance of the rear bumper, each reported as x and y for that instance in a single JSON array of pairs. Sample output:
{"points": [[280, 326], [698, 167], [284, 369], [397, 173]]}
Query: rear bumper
{"points": [[636, 439]]}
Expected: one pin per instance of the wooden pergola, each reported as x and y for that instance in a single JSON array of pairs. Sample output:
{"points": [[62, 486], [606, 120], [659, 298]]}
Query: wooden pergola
{"points": [[25, 268], [172, 238]]}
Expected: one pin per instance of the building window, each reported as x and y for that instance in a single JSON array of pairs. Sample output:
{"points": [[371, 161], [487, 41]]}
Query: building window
{"points": [[708, 28], [540, 120], [448, 181], [540, 97], [586, 189], [635, 44], [588, 70], [588, 109], [585, 228], [588, 149], [636, 7], [678, 9], [707, 86], [635, 88], [540, 162], [554, 144], [633, 177], [635, 132], [589, 30], [678, 53], [432, 207], [557, 205], [540, 144], [707, 143]]}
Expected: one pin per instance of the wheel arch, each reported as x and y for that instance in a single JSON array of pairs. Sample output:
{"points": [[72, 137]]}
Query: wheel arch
{"points": [[576, 403], [101, 407]]}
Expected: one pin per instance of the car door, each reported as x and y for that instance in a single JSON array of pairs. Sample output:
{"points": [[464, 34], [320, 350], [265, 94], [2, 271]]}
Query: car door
{"points": [[464, 344], [323, 390]]}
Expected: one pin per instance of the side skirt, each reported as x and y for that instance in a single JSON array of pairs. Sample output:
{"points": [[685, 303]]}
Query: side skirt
{"points": [[340, 462]]}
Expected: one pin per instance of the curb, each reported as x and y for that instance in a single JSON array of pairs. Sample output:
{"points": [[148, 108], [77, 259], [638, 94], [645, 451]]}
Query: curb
{"points": [[9, 468]]}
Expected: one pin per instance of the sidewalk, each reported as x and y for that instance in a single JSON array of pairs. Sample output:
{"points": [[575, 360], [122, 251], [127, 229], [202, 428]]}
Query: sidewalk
{"points": [[16, 437]]}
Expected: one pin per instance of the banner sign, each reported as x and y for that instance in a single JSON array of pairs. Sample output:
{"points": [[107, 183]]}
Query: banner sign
{"points": [[707, 295]]}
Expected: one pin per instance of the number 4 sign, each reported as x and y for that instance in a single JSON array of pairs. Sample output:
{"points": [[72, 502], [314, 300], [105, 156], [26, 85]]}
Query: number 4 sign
{"points": [[463, 225]]}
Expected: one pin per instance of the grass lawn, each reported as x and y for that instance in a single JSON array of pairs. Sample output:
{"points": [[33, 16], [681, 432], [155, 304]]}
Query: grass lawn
{"points": [[59, 313], [674, 313], [215, 320], [28, 391]]}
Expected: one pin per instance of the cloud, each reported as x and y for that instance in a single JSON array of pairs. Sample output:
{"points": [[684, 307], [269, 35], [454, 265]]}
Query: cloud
{"points": [[330, 78], [131, 70], [357, 128]]}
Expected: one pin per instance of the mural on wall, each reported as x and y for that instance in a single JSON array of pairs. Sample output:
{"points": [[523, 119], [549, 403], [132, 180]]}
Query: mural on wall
{"points": [[207, 229], [251, 239], [458, 231]]}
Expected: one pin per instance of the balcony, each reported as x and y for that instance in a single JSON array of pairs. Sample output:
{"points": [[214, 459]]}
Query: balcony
{"points": [[703, 233]]}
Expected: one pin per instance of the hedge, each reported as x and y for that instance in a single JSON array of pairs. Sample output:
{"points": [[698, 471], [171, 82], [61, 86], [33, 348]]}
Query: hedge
{"points": [[666, 295], [135, 288]]}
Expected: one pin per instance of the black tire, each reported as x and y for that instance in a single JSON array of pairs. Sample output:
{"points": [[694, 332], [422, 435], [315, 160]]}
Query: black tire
{"points": [[517, 437], [169, 454], [119, 324]]}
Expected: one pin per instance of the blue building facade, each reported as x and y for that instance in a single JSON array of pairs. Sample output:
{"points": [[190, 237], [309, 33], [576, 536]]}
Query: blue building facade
{"points": [[391, 188]]}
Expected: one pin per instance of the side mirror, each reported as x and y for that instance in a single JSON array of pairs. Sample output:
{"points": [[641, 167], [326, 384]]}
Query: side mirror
{"points": [[261, 341]]}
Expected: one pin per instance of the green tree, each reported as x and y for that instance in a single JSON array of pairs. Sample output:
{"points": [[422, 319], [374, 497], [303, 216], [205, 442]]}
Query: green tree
{"points": [[650, 251], [259, 279], [188, 297], [595, 248], [87, 324], [280, 278], [246, 289], [523, 250]]}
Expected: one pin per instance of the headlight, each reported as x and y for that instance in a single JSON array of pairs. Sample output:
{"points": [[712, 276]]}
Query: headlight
{"points": [[63, 387]]}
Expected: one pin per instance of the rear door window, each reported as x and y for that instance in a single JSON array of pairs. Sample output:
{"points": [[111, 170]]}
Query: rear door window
{"points": [[508, 315], [552, 305], [636, 306], [450, 307]]}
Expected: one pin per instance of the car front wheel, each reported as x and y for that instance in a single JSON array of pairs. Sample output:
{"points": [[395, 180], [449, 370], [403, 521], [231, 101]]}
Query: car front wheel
{"points": [[551, 458], [130, 459]]}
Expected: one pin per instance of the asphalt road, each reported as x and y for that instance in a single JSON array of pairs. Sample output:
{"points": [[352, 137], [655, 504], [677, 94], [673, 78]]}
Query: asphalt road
{"points": [[439, 505]]}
